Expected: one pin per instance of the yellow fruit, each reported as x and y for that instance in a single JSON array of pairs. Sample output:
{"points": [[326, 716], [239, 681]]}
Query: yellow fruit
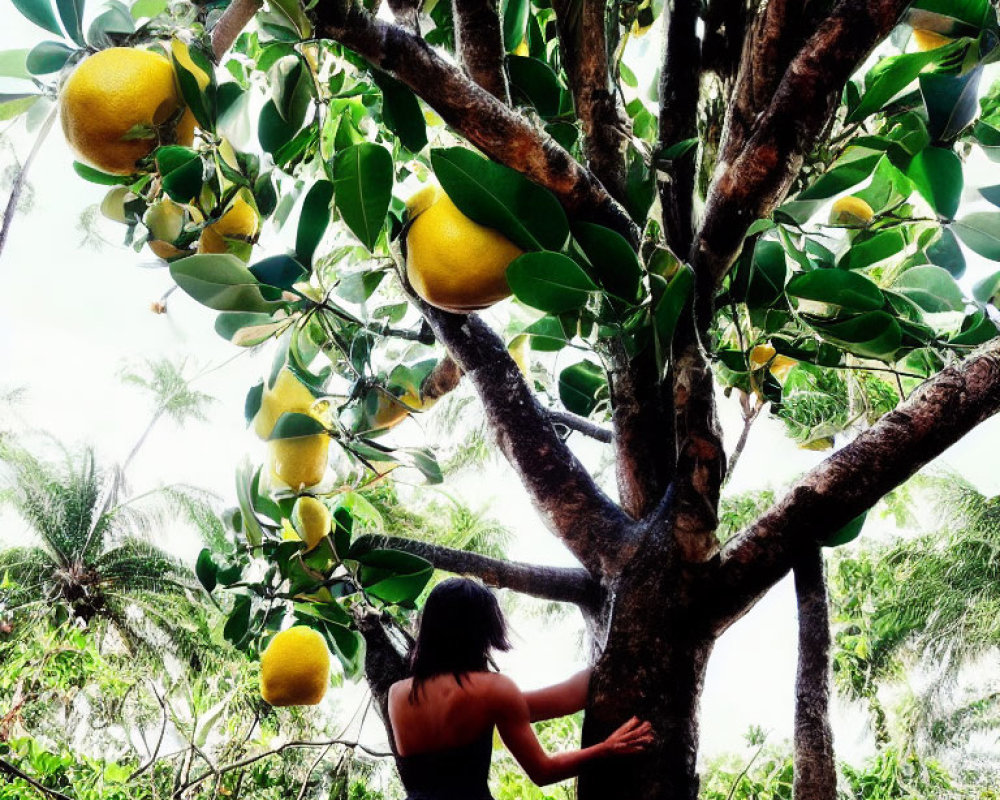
{"points": [[392, 410], [311, 519], [165, 250], [295, 668], [520, 350], [118, 105], [287, 394], [779, 366], [929, 40], [299, 462], [851, 211], [240, 221], [452, 262], [113, 204], [182, 55], [522, 48]]}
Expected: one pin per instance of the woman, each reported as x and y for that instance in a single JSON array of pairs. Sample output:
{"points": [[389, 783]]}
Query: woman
{"points": [[443, 715]]}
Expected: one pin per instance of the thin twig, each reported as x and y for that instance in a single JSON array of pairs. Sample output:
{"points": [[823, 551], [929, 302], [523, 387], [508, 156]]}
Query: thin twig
{"points": [[19, 181], [10, 769], [581, 425], [159, 741]]}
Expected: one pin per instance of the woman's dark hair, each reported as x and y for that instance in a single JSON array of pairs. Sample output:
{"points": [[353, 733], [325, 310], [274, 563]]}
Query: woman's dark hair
{"points": [[461, 623]]}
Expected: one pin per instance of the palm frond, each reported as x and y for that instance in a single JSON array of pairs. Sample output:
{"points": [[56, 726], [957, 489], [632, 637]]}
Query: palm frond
{"points": [[171, 390]]}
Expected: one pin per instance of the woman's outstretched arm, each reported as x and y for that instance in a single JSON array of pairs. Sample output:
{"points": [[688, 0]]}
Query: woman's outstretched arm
{"points": [[514, 724], [559, 700]]}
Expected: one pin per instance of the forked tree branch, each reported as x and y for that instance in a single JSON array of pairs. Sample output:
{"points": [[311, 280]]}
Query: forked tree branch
{"points": [[748, 186], [479, 41], [500, 132], [852, 480], [562, 584], [594, 528], [583, 37], [815, 766]]}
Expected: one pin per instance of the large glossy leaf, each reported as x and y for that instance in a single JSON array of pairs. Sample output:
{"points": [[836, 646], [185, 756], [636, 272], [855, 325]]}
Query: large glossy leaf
{"points": [[850, 532], [847, 171], [671, 303], [40, 12], [292, 425], [615, 263], [182, 170], [48, 57], [766, 275], [401, 111], [872, 251], [550, 282], [888, 78], [314, 219], [71, 14], [280, 271], [362, 176], [940, 15], [515, 18], [581, 387], [394, 576], [951, 102], [248, 328], [980, 232], [221, 282], [536, 82], [116, 20], [13, 64], [932, 288], [874, 334], [826, 290], [946, 253], [937, 174], [499, 197]]}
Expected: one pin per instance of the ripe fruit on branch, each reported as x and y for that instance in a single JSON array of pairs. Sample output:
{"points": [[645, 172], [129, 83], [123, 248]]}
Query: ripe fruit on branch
{"points": [[287, 394], [851, 211], [299, 462], [452, 262], [778, 366], [311, 520], [121, 103], [239, 223], [295, 668], [929, 40]]}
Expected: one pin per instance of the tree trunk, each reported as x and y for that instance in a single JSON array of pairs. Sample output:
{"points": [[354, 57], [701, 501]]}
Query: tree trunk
{"points": [[815, 768], [652, 666]]}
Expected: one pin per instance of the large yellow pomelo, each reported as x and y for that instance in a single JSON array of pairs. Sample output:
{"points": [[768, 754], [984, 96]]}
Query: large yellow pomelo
{"points": [[118, 105], [300, 462], [452, 262], [288, 394], [311, 519], [295, 668]]}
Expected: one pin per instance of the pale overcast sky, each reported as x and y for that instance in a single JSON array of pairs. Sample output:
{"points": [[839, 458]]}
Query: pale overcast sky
{"points": [[70, 316]]}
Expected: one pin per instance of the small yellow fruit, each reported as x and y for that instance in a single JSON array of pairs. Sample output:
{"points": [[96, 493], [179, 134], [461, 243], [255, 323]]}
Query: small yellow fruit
{"points": [[779, 366], [118, 105], [113, 204], [311, 519], [520, 350], [851, 211], [452, 262], [522, 48], [392, 410], [295, 668], [240, 221], [929, 40], [300, 462], [287, 394]]}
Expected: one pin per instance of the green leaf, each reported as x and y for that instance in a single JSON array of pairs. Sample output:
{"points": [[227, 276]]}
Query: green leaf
{"points": [[987, 290], [40, 12], [191, 91], [116, 20], [362, 177], [71, 14], [515, 19], [550, 282], [313, 221], [849, 170], [980, 232], [273, 131], [292, 90], [614, 261], [238, 624], [13, 64], [931, 288], [946, 252], [280, 271], [671, 304], [292, 425], [48, 57], [499, 197], [546, 335], [148, 8], [182, 170], [536, 82], [867, 253], [221, 282], [401, 111], [12, 106], [937, 174], [977, 328], [581, 386], [951, 102], [874, 334], [848, 533], [936, 14], [394, 576], [206, 570], [888, 78], [834, 288], [96, 176], [765, 278], [248, 329], [244, 493]]}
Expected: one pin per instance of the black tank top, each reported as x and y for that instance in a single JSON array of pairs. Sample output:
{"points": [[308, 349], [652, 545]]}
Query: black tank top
{"points": [[459, 773]]}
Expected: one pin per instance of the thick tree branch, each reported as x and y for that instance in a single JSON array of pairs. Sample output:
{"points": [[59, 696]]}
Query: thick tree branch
{"points": [[563, 584], [233, 20], [606, 128], [407, 14], [815, 767], [680, 83], [852, 480], [479, 40], [384, 664], [594, 528], [748, 185], [500, 132]]}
